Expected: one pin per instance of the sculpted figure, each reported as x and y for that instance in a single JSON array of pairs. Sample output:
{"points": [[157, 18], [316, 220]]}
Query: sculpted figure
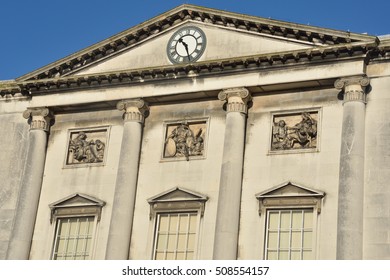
{"points": [[304, 131], [183, 142], [85, 151], [280, 139]]}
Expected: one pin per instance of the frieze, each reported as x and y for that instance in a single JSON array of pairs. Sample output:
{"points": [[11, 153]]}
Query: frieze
{"points": [[87, 146], [295, 131], [185, 140]]}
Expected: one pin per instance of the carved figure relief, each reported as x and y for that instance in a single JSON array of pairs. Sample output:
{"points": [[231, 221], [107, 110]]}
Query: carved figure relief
{"points": [[185, 139], [294, 131], [86, 146]]}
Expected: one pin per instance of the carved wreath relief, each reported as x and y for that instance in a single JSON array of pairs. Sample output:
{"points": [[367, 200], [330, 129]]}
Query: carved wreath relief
{"points": [[86, 146], [185, 139], [294, 131]]}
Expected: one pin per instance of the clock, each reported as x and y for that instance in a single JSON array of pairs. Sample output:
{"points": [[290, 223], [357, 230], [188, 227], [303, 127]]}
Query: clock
{"points": [[186, 45]]}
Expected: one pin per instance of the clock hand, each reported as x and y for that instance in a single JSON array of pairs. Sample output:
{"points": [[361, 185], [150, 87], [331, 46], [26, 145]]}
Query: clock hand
{"points": [[186, 47]]}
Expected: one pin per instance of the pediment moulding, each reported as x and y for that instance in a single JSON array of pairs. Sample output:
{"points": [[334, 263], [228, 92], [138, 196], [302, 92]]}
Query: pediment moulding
{"points": [[170, 19]]}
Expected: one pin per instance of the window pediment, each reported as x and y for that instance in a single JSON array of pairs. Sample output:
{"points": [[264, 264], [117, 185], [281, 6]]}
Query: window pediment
{"points": [[290, 194], [177, 199], [76, 205]]}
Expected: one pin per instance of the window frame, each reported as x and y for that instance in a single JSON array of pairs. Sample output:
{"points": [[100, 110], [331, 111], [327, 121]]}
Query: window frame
{"points": [[156, 233], [93, 235], [313, 230]]}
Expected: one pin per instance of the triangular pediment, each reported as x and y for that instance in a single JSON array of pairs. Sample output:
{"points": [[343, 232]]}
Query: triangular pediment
{"points": [[289, 189], [77, 200], [229, 36], [177, 194], [222, 43]]}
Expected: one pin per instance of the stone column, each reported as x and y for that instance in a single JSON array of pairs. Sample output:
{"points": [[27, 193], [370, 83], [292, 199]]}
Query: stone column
{"points": [[126, 182], [228, 213], [30, 189], [351, 177]]}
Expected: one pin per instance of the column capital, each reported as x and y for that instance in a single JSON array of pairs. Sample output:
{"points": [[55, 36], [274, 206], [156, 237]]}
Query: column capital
{"points": [[237, 99], [39, 118], [135, 109], [354, 88]]}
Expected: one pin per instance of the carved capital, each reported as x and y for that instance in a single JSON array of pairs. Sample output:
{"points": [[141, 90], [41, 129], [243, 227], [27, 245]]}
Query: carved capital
{"points": [[237, 99], [135, 109], [354, 88], [39, 118]]}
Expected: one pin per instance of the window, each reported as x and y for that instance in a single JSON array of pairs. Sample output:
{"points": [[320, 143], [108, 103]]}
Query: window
{"points": [[73, 238], [176, 236], [289, 216], [176, 216], [75, 218], [289, 234]]}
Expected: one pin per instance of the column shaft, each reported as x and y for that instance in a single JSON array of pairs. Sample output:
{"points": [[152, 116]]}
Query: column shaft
{"points": [[126, 183], [229, 200], [30, 189], [351, 180]]}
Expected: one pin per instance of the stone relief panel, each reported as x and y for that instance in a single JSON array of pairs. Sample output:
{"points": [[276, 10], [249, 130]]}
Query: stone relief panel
{"points": [[295, 131], [185, 139], [87, 146]]}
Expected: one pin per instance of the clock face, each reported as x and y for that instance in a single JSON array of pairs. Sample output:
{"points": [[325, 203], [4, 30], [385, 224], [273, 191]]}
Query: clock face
{"points": [[186, 45]]}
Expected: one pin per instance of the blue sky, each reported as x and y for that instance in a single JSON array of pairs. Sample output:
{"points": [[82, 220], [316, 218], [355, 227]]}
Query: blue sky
{"points": [[36, 33]]}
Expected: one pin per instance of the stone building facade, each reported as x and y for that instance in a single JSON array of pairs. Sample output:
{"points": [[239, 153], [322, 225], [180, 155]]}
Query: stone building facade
{"points": [[201, 134]]}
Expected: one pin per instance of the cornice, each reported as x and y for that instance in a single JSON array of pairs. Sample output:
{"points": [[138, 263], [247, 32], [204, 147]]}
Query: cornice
{"points": [[128, 38], [262, 62]]}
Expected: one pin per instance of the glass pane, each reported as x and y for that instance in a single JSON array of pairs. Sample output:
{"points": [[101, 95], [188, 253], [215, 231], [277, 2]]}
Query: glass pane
{"points": [[307, 240], [272, 255], [69, 249], [191, 242], [295, 255], [190, 256], [308, 219], [181, 256], [297, 219], [89, 245], [181, 244], [161, 241], [183, 226], [285, 220], [273, 220], [284, 241], [170, 256], [296, 240], [307, 255], [163, 226], [193, 222], [283, 255], [173, 223], [272, 240], [171, 242], [74, 225], [80, 246], [159, 256]]}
